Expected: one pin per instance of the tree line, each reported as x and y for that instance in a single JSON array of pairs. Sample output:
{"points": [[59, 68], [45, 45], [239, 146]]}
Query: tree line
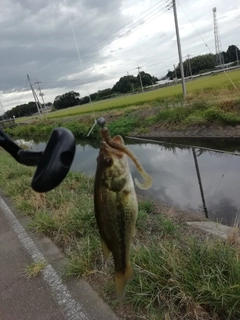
{"points": [[125, 84], [204, 63], [130, 83], [69, 99], [22, 110]]}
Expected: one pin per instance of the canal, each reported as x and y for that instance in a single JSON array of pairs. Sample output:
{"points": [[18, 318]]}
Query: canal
{"points": [[186, 177]]}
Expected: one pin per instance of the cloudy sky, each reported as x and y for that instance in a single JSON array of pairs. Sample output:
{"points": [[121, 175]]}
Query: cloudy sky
{"points": [[87, 45]]}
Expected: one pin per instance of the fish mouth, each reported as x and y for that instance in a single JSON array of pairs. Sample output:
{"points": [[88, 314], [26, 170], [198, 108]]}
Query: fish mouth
{"points": [[107, 151], [117, 147]]}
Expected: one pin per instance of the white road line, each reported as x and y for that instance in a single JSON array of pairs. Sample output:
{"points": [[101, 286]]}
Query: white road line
{"points": [[71, 308]]}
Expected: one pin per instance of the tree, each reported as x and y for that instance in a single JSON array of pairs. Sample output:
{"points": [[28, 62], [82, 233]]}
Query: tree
{"points": [[147, 79], [85, 100], [67, 100], [232, 53], [198, 64], [206, 62], [103, 94], [22, 110], [124, 84]]}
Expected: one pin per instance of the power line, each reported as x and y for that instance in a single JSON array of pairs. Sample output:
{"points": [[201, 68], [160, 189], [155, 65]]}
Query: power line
{"points": [[115, 74], [90, 57], [155, 16], [209, 48], [90, 53], [38, 104], [142, 15], [115, 33], [41, 94], [193, 26]]}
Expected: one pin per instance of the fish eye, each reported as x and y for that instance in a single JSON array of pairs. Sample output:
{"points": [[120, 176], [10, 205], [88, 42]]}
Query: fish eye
{"points": [[109, 161]]}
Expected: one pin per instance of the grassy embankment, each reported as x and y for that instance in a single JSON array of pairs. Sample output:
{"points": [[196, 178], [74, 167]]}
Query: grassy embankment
{"points": [[176, 275], [210, 100]]}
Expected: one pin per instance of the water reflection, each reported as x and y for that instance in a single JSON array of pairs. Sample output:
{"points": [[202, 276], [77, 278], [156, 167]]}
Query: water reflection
{"points": [[175, 179]]}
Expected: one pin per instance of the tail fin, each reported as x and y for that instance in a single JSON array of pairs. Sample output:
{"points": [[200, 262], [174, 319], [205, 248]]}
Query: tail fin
{"points": [[121, 280]]}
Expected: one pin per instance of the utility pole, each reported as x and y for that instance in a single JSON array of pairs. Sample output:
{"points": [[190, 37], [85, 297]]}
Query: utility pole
{"points": [[35, 97], [140, 78], [189, 65], [179, 49], [41, 95]]}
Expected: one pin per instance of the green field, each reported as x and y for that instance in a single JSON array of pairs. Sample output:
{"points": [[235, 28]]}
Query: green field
{"points": [[208, 87]]}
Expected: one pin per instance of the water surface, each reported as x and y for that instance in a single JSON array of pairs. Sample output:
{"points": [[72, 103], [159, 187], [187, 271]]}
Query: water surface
{"points": [[175, 180]]}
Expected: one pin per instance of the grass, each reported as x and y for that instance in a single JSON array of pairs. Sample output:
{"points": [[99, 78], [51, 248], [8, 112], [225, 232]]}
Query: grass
{"points": [[136, 121], [34, 269], [200, 280], [210, 101], [205, 87], [177, 274], [200, 114]]}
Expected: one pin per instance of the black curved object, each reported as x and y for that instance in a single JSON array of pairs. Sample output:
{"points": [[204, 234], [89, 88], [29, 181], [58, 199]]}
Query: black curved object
{"points": [[53, 163]]}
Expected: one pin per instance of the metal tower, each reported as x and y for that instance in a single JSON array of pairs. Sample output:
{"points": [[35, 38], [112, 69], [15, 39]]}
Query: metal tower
{"points": [[218, 46]]}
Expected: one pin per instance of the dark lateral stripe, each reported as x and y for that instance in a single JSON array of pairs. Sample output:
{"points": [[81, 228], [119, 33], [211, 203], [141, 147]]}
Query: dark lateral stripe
{"points": [[121, 225]]}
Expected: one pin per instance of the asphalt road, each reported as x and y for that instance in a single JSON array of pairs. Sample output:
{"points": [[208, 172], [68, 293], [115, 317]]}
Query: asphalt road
{"points": [[46, 296]]}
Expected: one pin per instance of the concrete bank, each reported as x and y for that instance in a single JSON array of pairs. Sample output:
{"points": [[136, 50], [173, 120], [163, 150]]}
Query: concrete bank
{"points": [[203, 133]]}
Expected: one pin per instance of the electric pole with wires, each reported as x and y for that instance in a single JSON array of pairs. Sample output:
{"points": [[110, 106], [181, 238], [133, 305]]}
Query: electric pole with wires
{"points": [[179, 48], [38, 104], [41, 94], [140, 78]]}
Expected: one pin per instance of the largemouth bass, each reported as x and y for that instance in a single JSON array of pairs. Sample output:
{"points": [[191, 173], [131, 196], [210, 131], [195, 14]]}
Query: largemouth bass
{"points": [[116, 205]]}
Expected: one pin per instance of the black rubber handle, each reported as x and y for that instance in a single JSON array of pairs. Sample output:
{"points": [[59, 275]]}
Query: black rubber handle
{"points": [[53, 163], [56, 160]]}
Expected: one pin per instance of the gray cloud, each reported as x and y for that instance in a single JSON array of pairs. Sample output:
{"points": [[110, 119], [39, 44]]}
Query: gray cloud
{"points": [[113, 36], [38, 39]]}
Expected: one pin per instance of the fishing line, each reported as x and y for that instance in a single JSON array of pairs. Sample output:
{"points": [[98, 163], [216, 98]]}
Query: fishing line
{"points": [[80, 60], [79, 57], [87, 58], [95, 122], [84, 53], [207, 46]]}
